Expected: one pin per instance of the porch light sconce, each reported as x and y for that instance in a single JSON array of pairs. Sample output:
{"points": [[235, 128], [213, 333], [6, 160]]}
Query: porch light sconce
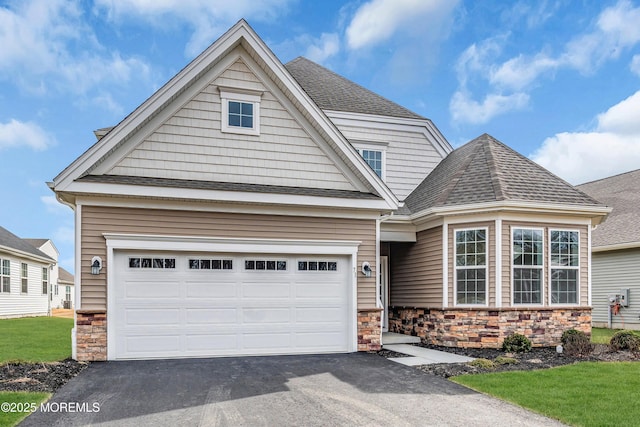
{"points": [[96, 265], [366, 269]]}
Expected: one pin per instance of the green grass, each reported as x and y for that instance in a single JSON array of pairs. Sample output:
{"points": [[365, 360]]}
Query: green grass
{"points": [[20, 405], [583, 394], [35, 339], [603, 335]]}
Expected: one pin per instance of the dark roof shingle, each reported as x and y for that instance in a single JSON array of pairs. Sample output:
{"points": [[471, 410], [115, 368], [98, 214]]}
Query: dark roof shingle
{"points": [[486, 170], [331, 91], [11, 241], [622, 193]]}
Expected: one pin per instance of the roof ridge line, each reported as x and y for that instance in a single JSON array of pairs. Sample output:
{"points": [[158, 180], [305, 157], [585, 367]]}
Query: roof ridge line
{"points": [[496, 179], [455, 179]]}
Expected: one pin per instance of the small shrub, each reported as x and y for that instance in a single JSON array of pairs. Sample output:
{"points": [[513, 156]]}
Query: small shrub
{"points": [[504, 360], [483, 364], [516, 343], [576, 343], [625, 340]]}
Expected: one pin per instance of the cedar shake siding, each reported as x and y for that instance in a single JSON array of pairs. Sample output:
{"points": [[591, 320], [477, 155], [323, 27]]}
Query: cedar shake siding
{"points": [[416, 271], [97, 220]]}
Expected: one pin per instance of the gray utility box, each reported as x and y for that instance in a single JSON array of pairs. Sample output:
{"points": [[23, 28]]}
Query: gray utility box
{"points": [[624, 297]]}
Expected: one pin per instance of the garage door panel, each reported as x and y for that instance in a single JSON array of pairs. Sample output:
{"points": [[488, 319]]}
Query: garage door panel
{"points": [[266, 315], [211, 289], [266, 290], [156, 289], [151, 316], [183, 312], [211, 316]]}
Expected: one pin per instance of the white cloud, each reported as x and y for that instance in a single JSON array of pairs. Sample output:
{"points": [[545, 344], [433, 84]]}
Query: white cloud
{"points": [[464, 108], [616, 30], [24, 134], [378, 20], [47, 45], [612, 147], [207, 18], [327, 46]]}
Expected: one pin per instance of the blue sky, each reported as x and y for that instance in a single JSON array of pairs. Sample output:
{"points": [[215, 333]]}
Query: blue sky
{"points": [[559, 81]]}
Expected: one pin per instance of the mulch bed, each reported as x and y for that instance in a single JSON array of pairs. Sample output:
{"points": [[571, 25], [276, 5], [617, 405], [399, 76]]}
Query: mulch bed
{"points": [[537, 358], [34, 377]]}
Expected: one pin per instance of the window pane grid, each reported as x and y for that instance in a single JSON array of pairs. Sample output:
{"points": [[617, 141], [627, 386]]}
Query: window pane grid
{"points": [[527, 259], [373, 159], [241, 114], [5, 276], [565, 253], [471, 261]]}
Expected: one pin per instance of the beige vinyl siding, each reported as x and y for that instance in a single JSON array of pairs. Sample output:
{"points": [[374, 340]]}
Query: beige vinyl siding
{"points": [[613, 271], [416, 271], [98, 220], [410, 156], [491, 276], [190, 144], [17, 303], [507, 226]]}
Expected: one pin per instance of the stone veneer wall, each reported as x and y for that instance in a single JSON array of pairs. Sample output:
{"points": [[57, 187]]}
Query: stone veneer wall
{"points": [[487, 328], [369, 329], [91, 335]]}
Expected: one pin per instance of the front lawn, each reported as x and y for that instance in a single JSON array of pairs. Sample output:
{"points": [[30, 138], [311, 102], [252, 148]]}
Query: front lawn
{"points": [[35, 339], [16, 406], [583, 394], [603, 335]]}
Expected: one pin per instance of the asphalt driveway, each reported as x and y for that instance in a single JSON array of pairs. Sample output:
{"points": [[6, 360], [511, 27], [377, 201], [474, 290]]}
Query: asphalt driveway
{"points": [[319, 390]]}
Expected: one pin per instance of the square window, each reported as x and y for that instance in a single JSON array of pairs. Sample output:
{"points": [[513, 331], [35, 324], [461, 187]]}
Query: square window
{"points": [[260, 265], [146, 263], [170, 263], [134, 263], [313, 265], [240, 114], [158, 263], [205, 264], [216, 264], [302, 265], [249, 265], [282, 265], [194, 264], [332, 266], [227, 264]]}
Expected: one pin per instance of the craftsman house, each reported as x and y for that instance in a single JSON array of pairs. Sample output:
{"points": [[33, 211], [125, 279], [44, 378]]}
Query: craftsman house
{"points": [[253, 207]]}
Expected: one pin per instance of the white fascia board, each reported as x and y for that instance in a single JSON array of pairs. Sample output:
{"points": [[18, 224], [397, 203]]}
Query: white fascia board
{"points": [[26, 255], [397, 232], [616, 247], [424, 126], [595, 213], [124, 190], [239, 245]]}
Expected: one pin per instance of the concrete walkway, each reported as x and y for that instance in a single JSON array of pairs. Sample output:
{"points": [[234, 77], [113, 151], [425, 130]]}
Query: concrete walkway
{"points": [[423, 356]]}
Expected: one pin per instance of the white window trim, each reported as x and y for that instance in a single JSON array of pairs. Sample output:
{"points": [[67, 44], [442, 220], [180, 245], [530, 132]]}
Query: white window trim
{"points": [[382, 148], [45, 280], [551, 267], [456, 267], [2, 276], [24, 275], [227, 95], [541, 267]]}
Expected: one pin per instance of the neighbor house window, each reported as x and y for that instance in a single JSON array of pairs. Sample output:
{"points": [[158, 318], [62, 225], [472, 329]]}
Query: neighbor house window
{"points": [[471, 266], [5, 275], [527, 263], [564, 248], [240, 112], [68, 293], [24, 273], [45, 280]]}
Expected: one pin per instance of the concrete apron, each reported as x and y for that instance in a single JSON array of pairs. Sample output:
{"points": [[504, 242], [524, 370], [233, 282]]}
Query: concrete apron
{"points": [[417, 355]]}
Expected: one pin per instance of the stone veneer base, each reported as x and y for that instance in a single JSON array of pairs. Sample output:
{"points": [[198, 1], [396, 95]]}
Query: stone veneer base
{"points": [[487, 328], [369, 329], [91, 333]]}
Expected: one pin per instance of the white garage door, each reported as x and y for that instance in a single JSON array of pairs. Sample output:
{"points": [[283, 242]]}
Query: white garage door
{"points": [[207, 304]]}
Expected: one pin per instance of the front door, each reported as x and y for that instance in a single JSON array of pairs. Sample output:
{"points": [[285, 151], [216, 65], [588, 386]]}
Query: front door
{"points": [[384, 291]]}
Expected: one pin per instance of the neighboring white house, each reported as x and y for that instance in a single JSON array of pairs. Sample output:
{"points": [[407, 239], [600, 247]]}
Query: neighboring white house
{"points": [[25, 277], [61, 281], [616, 252]]}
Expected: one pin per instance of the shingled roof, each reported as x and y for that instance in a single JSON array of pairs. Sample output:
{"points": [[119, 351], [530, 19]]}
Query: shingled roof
{"points": [[11, 241], [485, 170], [622, 193], [331, 91]]}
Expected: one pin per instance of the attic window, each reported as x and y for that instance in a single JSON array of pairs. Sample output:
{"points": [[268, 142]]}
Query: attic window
{"points": [[240, 112]]}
